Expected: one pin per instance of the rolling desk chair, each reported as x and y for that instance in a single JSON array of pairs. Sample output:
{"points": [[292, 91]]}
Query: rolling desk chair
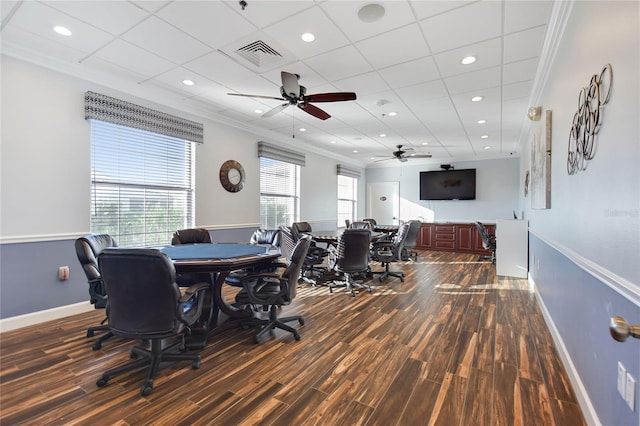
{"points": [[488, 242], [353, 258]]}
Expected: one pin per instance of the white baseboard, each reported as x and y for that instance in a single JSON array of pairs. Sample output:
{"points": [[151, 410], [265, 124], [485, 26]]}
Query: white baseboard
{"points": [[12, 323], [588, 410]]}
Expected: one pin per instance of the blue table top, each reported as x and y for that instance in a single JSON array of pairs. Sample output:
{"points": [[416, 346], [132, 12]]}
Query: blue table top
{"points": [[213, 251]]}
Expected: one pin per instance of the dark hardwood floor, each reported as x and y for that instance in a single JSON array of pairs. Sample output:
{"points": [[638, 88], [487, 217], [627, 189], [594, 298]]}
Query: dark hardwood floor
{"points": [[452, 345]]}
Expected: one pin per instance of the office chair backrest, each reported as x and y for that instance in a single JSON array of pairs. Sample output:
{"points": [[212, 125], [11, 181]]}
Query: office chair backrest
{"points": [[353, 250], [88, 248], [487, 244], [191, 236], [300, 228], [370, 220], [266, 236], [143, 294], [292, 273], [412, 233], [400, 238], [362, 225], [287, 241]]}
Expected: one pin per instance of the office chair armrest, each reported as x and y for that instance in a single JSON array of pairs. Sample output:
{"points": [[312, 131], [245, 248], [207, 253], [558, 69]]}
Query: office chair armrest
{"points": [[383, 251], [255, 284]]}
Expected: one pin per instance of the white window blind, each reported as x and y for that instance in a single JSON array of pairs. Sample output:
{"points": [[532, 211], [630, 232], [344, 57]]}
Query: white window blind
{"points": [[279, 193], [347, 199], [142, 187]]}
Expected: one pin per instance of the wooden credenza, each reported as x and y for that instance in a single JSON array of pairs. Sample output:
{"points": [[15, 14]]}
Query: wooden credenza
{"points": [[457, 237]]}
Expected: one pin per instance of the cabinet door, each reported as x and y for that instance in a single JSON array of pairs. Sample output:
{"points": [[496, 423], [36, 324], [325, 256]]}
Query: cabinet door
{"points": [[425, 237], [464, 238]]}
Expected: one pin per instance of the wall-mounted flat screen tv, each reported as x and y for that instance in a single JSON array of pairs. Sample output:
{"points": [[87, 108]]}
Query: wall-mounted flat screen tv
{"points": [[448, 185]]}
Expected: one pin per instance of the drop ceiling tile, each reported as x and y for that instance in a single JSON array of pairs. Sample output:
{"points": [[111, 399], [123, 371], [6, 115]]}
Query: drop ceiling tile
{"points": [[218, 67], [426, 9], [289, 31], [523, 45], [115, 17], [339, 64], [363, 84], [212, 23], [410, 73], [519, 71], [345, 15], [133, 58], [474, 81], [151, 5], [165, 40], [521, 15], [394, 47], [7, 8], [517, 90], [463, 26], [39, 19], [488, 54], [264, 13], [414, 95]]}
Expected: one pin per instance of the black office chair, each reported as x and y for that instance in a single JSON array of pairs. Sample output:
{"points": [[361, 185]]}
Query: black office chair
{"points": [[192, 236], [390, 251], [260, 236], [488, 242], [371, 221], [88, 248], [361, 225], [145, 303], [272, 291], [311, 269], [411, 241], [353, 258]]}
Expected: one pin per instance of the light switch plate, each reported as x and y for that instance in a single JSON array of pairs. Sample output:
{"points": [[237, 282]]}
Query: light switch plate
{"points": [[630, 395], [622, 380]]}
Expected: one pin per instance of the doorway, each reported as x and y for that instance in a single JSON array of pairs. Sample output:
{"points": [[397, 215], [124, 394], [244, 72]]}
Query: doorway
{"points": [[383, 202]]}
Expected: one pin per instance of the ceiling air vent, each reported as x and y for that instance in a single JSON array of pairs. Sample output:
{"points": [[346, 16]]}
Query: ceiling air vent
{"points": [[259, 54]]}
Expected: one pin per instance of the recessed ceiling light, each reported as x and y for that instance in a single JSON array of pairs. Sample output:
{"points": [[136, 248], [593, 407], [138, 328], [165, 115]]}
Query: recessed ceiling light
{"points": [[333, 142], [484, 137], [425, 143], [373, 158], [308, 37], [258, 111], [62, 30], [383, 135], [487, 147], [476, 99], [371, 13], [302, 129], [481, 121], [188, 82], [393, 114], [468, 60], [355, 150]]}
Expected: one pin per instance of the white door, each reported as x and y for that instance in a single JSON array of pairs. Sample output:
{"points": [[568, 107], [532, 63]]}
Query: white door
{"points": [[383, 202]]}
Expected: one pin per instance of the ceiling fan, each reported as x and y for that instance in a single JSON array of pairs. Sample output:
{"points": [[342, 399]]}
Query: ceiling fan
{"points": [[403, 154], [295, 94]]}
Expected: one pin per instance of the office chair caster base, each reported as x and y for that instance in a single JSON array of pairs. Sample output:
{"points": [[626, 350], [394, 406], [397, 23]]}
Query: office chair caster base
{"points": [[102, 382], [195, 364], [301, 321], [147, 388], [97, 345], [90, 333], [296, 336]]}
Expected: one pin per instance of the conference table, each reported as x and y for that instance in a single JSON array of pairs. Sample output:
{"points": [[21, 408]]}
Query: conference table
{"points": [[219, 259]]}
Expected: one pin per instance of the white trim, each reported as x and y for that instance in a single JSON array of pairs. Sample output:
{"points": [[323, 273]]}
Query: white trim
{"points": [[232, 226], [13, 323], [590, 414], [622, 286], [14, 239]]}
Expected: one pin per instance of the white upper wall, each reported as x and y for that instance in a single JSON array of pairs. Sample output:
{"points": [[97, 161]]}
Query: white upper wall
{"points": [[596, 213]]}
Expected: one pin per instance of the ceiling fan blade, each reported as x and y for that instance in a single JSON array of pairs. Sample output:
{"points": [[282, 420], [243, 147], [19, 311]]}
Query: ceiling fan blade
{"points": [[313, 110], [255, 96], [274, 111], [402, 159], [330, 97], [384, 159], [421, 156], [290, 84]]}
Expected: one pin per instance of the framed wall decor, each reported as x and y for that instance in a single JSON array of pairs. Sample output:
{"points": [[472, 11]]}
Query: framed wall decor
{"points": [[540, 185]]}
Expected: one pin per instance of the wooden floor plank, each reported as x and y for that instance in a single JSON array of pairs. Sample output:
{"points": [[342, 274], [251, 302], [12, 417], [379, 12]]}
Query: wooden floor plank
{"points": [[453, 345]]}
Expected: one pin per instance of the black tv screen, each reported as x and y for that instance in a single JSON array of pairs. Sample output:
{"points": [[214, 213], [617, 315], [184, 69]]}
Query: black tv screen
{"points": [[448, 185]]}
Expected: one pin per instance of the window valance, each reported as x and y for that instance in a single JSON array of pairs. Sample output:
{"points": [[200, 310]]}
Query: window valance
{"points": [[116, 111], [348, 171], [279, 153]]}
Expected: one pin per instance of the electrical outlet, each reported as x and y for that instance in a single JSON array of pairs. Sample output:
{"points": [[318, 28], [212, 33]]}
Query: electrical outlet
{"points": [[622, 380], [63, 273], [630, 395]]}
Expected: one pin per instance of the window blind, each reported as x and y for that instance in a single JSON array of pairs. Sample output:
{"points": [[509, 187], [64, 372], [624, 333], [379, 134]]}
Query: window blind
{"points": [[116, 111], [267, 150], [348, 171], [279, 193], [347, 199], [142, 184]]}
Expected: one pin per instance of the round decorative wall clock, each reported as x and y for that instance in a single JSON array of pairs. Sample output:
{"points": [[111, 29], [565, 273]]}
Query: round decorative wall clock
{"points": [[232, 176]]}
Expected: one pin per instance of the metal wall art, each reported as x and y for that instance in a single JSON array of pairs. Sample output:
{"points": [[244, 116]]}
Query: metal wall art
{"points": [[587, 120]]}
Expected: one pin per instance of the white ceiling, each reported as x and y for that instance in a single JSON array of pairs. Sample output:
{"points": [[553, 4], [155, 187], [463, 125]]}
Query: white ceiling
{"points": [[407, 62]]}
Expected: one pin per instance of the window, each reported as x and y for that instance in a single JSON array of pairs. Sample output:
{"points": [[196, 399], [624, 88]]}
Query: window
{"points": [[142, 184], [279, 193], [347, 199]]}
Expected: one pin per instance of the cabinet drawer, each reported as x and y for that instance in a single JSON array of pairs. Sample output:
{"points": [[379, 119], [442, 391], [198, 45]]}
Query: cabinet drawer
{"points": [[448, 237], [444, 229], [449, 245]]}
